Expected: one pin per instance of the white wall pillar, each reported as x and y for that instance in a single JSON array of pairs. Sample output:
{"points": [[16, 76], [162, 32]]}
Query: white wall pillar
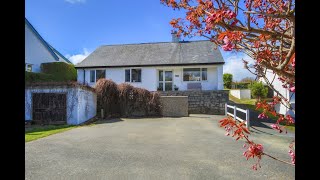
{"points": [[220, 77], [80, 76]]}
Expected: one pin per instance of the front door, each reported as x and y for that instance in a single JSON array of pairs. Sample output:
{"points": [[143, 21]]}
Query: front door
{"points": [[165, 80]]}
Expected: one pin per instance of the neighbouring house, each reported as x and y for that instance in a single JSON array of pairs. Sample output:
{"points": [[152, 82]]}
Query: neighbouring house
{"points": [[277, 84], [50, 101], [162, 66], [38, 51]]}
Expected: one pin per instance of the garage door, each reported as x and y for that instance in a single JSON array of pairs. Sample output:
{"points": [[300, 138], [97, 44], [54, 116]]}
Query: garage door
{"points": [[49, 108]]}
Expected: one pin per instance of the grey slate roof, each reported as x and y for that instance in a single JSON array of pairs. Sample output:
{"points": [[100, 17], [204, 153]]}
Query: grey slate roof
{"points": [[153, 54]]}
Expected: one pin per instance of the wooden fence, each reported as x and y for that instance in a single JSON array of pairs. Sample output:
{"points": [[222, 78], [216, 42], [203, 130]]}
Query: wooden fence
{"points": [[234, 115]]}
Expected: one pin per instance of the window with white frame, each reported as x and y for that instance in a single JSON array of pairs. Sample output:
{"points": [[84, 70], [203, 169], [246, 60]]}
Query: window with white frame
{"points": [[133, 75], [100, 74], [195, 74], [95, 75], [28, 67], [92, 76]]}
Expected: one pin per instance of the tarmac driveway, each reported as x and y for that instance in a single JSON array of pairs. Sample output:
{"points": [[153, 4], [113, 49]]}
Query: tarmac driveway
{"points": [[192, 147]]}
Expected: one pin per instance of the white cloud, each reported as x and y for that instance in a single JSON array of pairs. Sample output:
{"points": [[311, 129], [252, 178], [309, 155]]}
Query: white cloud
{"points": [[75, 59], [75, 1], [234, 65]]}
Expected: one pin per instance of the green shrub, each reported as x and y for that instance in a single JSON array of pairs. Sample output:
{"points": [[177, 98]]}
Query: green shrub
{"points": [[138, 101], [258, 90], [240, 85], [107, 97], [270, 92], [227, 80], [38, 77], [126, 100], [53, 72], [248, 80], [243, 85], [60, 70]]}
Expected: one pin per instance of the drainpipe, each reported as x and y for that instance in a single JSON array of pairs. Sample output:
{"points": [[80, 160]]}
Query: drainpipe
{"points": [[288, 97], [84, 76]]}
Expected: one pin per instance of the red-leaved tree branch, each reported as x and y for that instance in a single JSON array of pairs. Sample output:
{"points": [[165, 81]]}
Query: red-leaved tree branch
{"points": [[262, 29]]}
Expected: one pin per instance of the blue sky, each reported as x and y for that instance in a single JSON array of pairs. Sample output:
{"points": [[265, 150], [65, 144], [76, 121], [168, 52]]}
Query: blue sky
{"points": [[77, 27]]}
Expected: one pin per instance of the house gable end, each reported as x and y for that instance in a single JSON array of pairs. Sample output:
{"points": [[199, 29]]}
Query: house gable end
{"points": [[45, 44]]}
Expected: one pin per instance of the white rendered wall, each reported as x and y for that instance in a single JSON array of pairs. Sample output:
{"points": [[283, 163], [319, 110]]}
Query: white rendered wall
{"points": [[87, 105], [80, 76], [149, 76], [235, 93], [35, 52], [241, 93], [220, 77], [277, 84], [81, 104]]}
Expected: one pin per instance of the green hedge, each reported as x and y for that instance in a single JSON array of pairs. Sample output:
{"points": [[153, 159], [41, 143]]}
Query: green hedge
{"points": [[240, 85], [38, 77], [60, 70], [53, 72]]}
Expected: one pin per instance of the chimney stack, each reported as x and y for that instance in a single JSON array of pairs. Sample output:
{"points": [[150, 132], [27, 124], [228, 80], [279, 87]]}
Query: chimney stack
{"points": [[175, 38]]}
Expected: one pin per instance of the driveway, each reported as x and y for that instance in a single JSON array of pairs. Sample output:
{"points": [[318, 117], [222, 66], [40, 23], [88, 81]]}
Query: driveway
{"points": [[192, 147]]}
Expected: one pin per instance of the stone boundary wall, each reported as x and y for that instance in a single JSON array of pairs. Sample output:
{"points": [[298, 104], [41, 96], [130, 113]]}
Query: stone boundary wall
{"points": [[174, 106], [203, 101]]}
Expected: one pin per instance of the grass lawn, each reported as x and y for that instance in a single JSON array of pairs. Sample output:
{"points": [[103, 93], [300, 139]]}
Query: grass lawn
{"points": [[250, 104], [37, 132]]}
